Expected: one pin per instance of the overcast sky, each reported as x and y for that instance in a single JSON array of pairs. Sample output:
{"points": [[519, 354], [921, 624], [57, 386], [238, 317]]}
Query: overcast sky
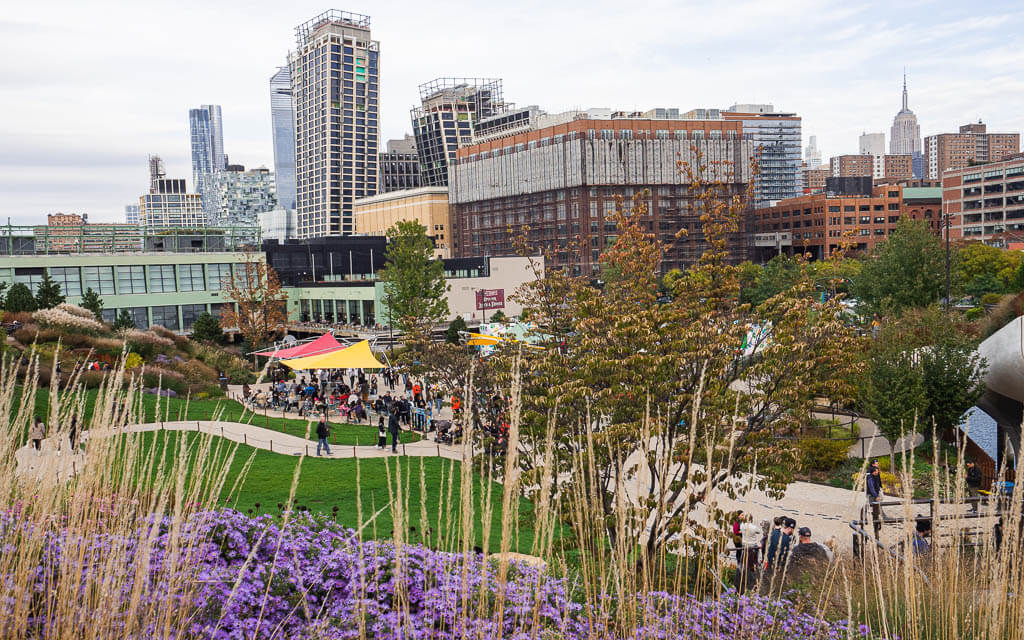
{"points": [[89, 89]]}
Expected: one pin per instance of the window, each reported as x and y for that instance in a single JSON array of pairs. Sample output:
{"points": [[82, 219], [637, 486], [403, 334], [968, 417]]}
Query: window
{"points": [[139, 315], [190, 277], [216, 274], [29, 276], [161, 279], [69, 279], [166, 317], [109, 315], [99, 279], [131, 279], [190, 313]]}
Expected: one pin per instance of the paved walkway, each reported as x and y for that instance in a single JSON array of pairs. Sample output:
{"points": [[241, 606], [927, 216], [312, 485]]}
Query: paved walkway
{"points": [[872, 444]]}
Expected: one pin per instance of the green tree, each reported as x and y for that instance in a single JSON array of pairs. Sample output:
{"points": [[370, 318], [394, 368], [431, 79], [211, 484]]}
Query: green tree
{"points": [[892, 391], [48, 294], [207, 328], [498, 316], [20, 298], [954, 379], [451, 336], [907, 270], [3, 291], [92, 301], [777, 275], [124, 321], [986, 269], [414, 284]]}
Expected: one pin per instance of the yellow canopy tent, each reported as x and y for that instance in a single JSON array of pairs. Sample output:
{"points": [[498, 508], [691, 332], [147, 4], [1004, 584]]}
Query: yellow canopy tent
{"points": [[480, 339], [358, 356]]}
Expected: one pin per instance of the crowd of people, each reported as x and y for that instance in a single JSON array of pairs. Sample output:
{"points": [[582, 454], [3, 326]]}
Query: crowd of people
{"points": [[765, 550], [391, 398]]}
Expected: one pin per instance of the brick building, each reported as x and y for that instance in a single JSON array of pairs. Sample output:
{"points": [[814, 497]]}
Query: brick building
{"points": [[816, 223], [986, 202], [852, 165], [898, 167], [889, 167], [564, 181], [972, 145]]}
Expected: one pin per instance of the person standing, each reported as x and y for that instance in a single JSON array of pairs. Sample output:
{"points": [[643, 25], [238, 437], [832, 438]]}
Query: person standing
{"points": [[785, 540], [750, 534], [973, 484], [382, 434], [808, 555], [395, 430], [873, 487], [322, 433], [920, 543], [37, 433], [73, 432]]}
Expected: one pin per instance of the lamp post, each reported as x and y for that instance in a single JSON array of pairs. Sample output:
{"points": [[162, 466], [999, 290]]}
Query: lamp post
{"points": [[391, 329], [946, 221]]}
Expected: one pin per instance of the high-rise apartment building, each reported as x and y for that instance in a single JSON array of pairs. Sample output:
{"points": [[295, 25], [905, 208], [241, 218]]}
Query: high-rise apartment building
{"points": [[565, 180], [334, 73], [237, 196], [169, 205], [282, 120], [399, 166], [206, 133], [972, 145], [776, 139], [986, 202], [905, 135], [444, 120], [852, 165], [873, 144]]}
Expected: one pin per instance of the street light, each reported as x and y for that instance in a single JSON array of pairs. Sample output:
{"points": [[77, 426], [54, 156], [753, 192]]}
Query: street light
{"points": [[946, 221], [391, 329]]}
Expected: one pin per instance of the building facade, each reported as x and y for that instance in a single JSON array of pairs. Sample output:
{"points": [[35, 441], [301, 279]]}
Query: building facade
{"points": [[334, 74], [776, 139], [897, 167], [426, 205], [814, 179], [238, 196], [206, 133], [812, 155], [850, 165], [818, 224], [277, 224], [169, 289], [905, 134], [972, 145], [168, 205], [444, 119], [399, 166], [564, 181], [131, 214], [986, 202], [282, 121]]}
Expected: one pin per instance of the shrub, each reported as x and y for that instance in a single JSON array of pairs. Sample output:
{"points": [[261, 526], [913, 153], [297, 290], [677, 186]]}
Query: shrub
{"points": [[91, 379], [214, 391], [58, 317], [166, 333], [822, 454], [20, 298], [133, 360], [76, 310], [207, 328], [157, 377], [195, 371], [26, 334], [24, 317], [975, 313]]}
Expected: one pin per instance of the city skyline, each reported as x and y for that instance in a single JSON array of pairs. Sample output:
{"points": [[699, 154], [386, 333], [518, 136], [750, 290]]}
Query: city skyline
{"points": [[90, 157]]}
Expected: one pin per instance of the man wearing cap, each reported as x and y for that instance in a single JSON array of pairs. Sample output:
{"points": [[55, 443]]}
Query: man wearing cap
{"points": [[807, 554], [920, 543]]}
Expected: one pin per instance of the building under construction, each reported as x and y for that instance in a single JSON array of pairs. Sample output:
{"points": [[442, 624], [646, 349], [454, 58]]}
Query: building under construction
{"points": [[444, 121], [565, 180]]}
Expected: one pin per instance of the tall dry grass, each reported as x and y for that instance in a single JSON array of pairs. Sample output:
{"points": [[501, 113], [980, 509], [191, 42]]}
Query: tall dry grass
{"points": [[144, 500]]}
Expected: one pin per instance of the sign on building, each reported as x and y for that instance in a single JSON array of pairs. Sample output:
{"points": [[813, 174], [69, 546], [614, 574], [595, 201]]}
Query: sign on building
{"points": [[490, 299]]}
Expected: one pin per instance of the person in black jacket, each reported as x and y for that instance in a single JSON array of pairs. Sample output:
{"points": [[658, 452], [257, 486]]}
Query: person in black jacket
{"points": [[395, 429], [322, 433], [772, 544], [873, 487], [973, 484]]}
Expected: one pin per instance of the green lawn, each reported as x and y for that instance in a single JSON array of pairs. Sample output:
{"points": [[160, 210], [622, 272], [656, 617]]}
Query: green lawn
{"points": [[176, 409], [326, 484]]}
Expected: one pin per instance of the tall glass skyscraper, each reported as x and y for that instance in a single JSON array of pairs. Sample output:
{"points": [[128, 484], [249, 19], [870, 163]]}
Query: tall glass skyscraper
{"points": [[206, 129], [334, 75], [282, 119]]}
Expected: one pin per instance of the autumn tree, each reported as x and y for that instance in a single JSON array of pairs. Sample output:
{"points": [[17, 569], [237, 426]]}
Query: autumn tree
{"points": [[659, 396], [414, 284], [260, 311]]}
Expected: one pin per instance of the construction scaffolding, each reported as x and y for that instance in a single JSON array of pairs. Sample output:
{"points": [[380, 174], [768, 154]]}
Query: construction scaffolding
{"points": [[305, 31]]}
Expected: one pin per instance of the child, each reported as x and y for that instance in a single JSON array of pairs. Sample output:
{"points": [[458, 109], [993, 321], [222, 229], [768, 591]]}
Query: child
{"points": [[382, 434]]}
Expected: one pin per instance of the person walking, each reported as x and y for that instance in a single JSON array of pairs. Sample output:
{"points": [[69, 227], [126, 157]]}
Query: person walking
{"points": [[973, 485], [322, 433], [37, 433], [395, 429]]}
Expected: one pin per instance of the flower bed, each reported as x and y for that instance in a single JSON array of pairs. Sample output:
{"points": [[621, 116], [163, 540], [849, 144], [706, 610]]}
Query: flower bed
{"points": [[251, 579]]}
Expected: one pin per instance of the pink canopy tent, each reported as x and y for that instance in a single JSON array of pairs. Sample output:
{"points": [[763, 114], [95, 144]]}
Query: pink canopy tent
{"points": [[324, 344]]}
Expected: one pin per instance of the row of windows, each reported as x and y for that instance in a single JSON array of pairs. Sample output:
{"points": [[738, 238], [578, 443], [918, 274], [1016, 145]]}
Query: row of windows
{"points": [[128, 279], [166, 316]]}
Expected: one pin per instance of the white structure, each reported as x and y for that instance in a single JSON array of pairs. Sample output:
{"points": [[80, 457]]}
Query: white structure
{"points": [[812, 155], [169, 206], [278, 224], [131, 214], [873, 144], [505, 276]]}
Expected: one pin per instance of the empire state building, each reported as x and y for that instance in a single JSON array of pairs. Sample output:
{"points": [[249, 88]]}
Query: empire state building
{"points": [[905, 135]]}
